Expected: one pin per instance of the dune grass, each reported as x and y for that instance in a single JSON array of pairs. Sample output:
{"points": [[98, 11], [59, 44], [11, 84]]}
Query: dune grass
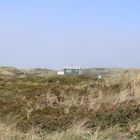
{"points": [[70, 108]]}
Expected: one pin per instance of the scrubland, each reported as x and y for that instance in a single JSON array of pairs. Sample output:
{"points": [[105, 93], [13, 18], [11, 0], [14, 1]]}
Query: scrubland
{"points": [[70, 108]]}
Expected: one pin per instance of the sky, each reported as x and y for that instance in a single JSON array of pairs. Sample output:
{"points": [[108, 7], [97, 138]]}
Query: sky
{"points": [[56, 33]]}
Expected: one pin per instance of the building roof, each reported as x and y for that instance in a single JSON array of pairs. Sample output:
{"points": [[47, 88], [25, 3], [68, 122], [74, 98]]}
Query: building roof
{"points": [[72, 67]]}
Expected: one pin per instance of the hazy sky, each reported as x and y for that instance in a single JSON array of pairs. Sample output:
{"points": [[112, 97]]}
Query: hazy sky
{"points": [[55, 33]]}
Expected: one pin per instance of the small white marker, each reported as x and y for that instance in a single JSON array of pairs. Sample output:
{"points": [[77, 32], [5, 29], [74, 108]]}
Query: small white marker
{"points": [[99, 76]]}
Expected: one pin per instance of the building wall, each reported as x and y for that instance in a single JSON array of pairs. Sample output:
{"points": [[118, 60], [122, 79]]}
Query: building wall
{"points": [[72, 71]]}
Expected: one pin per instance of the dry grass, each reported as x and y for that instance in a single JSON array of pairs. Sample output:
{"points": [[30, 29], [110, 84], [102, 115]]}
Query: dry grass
{"points": [[9, 132], [78, 131], [70, 108]]}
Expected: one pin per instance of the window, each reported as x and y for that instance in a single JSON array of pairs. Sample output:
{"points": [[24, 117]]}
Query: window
{"points": [[68, 70], [77, 71]]}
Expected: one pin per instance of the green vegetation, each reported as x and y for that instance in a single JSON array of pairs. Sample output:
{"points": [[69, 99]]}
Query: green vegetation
{"points": [[65, 108]]}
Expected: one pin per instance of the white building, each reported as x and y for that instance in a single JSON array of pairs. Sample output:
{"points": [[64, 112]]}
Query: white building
{"points": [[60, 72]]}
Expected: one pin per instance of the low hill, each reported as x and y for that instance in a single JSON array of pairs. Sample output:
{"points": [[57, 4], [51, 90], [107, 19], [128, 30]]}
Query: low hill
{"points": [[39, 72], [107, 72], [11, 72]]}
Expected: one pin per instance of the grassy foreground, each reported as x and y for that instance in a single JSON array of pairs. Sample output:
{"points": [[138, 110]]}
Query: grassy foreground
{"points": [[70, 108]]}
